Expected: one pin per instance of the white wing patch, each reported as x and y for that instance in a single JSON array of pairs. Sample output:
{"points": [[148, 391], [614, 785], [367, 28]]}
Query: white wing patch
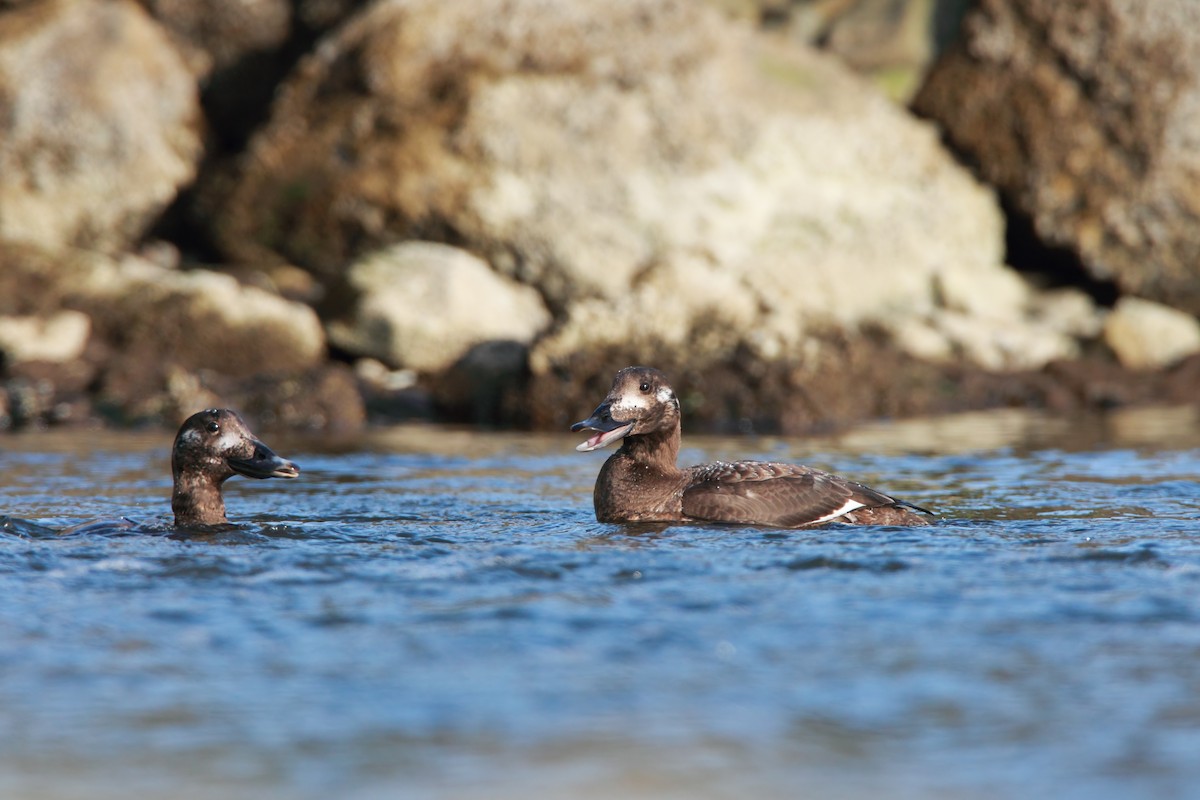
{"points": [[846, 508]]}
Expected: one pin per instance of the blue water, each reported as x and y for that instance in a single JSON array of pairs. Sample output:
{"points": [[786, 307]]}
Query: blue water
{"points": [[435, 613]]}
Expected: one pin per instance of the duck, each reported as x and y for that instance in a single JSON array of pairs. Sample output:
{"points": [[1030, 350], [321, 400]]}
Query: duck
{"points": [[641, 481], [211, 447]]}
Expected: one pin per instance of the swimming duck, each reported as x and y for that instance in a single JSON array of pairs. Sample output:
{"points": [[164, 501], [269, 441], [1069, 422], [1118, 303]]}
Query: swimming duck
{"points": [[212, 446], [641, 482]]}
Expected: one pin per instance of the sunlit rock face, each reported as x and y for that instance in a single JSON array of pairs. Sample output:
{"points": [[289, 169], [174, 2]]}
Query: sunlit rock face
{"points": [[100, 124], [1086, 115], [647, 167]]}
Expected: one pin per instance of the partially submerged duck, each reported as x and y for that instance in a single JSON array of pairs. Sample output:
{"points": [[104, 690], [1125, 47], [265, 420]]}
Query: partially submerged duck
{"points": [[211, 447], [641, 482]]}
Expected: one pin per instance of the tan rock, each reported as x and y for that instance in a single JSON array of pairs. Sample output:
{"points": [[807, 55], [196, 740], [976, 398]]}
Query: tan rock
{"points": [[1086, 115], [617, 171], [55, 338], [422, 306], [100, 125], [1148, 335]]}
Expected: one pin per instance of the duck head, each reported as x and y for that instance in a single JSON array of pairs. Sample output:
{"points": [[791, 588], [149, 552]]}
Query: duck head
{"points": [[212, 446], [640, 402], [217, 442]]}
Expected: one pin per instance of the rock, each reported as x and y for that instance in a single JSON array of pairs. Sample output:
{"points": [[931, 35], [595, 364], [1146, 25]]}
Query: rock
{"points": [[217, 34], [197, 319], [995, 320], [667, 176], [239, 51], [1146, 335], [486, 386], [100, 125], [57, 338], [1068, 311], [423, 306], [1085, 115], [893, 41], [324, 398], [151, 324]]}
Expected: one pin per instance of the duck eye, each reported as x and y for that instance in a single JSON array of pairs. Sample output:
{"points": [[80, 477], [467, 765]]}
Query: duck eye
{"points": [[645, 387], [213, 427]]}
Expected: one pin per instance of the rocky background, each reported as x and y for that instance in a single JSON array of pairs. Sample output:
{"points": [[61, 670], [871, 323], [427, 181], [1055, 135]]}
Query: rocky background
{"points": [[330, 213]]}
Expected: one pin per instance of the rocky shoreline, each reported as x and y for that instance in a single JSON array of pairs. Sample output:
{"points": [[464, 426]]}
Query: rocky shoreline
{"points": [[331, 215]]}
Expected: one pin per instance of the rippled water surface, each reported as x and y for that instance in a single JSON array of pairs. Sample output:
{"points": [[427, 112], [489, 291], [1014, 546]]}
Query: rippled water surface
{"points": [[436, 613]]}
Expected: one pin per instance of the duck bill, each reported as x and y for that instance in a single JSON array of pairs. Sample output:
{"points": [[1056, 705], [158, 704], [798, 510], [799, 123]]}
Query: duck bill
{"points": [[263, 464], [608, 430]]}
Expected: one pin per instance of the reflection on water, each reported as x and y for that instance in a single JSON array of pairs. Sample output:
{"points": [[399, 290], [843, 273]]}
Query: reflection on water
{"points": [[435, 613]]}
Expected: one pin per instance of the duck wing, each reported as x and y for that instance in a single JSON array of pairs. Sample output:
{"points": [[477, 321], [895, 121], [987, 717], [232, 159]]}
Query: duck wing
{"points": [[779, 495]]}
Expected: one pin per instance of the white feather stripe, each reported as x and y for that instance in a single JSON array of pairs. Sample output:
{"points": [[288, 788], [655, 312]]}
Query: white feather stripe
{"points": [[846, 508]]}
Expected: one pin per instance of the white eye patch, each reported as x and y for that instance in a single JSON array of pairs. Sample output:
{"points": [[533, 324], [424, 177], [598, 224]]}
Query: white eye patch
{"points": [[191, 436], [665, 395]]}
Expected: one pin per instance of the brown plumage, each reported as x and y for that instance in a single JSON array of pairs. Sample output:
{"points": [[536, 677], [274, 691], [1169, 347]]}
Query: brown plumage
{"points": [[211, 447], [641, 482]]}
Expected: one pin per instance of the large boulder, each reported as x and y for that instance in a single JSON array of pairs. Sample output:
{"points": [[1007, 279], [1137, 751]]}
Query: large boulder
{"points": [[649, 167], [100, 123], [1086, 115]]}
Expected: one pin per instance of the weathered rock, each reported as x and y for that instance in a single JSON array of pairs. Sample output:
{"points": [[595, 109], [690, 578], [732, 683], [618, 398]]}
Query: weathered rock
{"points": [[100, 123], [195, 319], [56, 338], [649, 168], [1146, 335], [995, 320], [1086, 114], [155, 330], [423, 306]]}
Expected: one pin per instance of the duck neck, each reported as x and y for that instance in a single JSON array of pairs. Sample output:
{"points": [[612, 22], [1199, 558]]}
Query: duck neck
{"points": [[659, 450], [197, 500]]}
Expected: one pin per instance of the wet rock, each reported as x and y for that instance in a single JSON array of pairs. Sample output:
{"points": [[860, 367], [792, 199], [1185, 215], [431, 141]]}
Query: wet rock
{"points": [[100, 125], [423, 306], [1146, 335], [57, 338], [1085, 114], [486, 386], [324, 398]]}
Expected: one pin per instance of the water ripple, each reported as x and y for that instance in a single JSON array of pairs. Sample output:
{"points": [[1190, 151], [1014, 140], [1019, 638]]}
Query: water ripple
{"points": [[406, 620]]}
